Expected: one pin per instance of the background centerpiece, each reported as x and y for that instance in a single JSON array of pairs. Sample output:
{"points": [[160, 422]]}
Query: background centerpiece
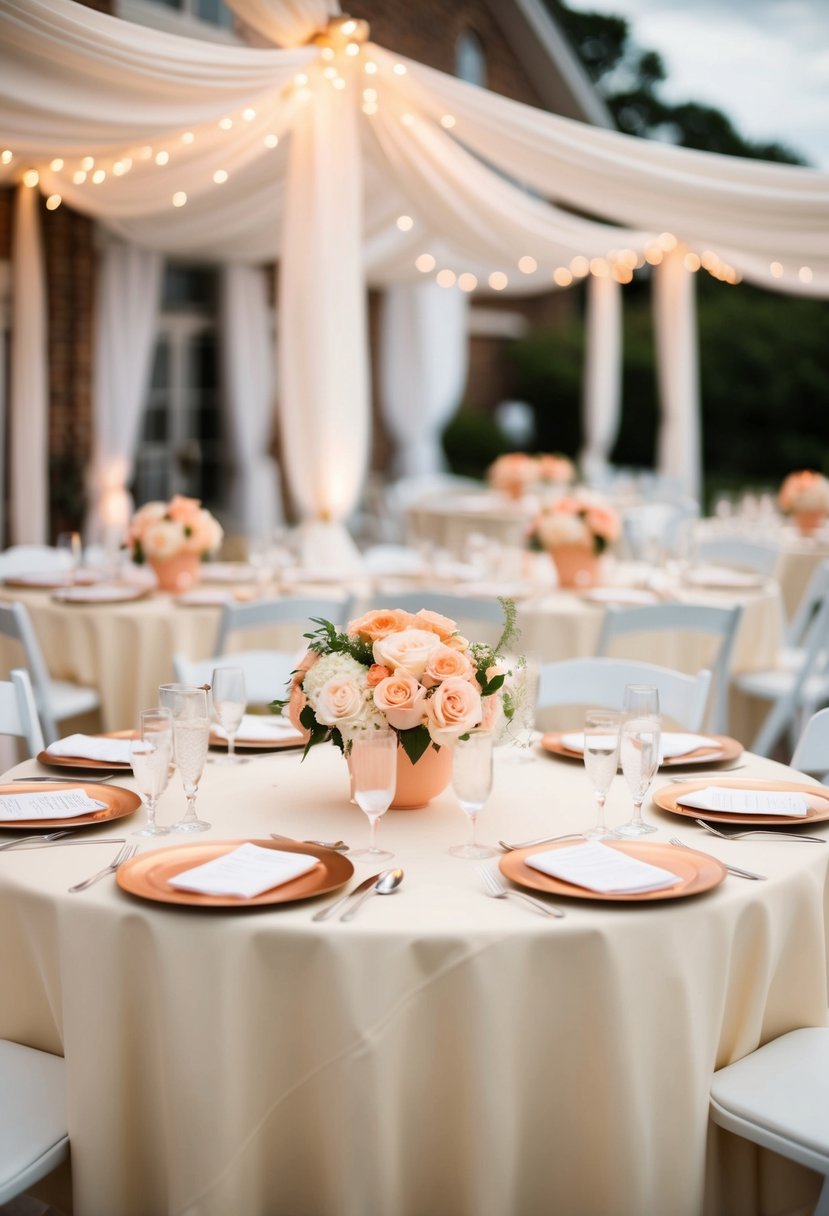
{"points": [[412, 672], [575, 530], [173, 538], [805, 496], [518, 473]]}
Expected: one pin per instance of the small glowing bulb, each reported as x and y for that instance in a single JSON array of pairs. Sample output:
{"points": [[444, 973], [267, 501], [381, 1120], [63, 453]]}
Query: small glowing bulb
{"points": [[248, 114], [776, 269], [446, 278], [369, 94], [805, 274], [622, 273], [31, 177], [653, 255], [179, 198], [300, 79], [88, 163], [447, 121], [6, 156], [407, 120], [327, 53], [79, 177], [405, 222], [53, 202], [56, 165], [330, 73], [580, 266], [187, 137], [99, 176], [498, 280], [467, 281], [599, 267], [352, 49], [339, 83], [369, 107], [219, 177], [348, 27], [691, 261], [145, 153], [425, 263], [562, 276], [271, 141], [527, 265], [667, 241], [225, 123], [399, 69], [162, 158], [370, 67]]}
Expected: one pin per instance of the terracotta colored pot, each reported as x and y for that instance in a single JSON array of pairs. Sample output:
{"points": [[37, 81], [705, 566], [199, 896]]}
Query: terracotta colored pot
{"points": [[418, 784], [809, 522], [178, 573], [577, 566]]}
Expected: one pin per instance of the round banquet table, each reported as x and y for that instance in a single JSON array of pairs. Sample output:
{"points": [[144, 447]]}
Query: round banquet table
{"points": [[443, 1052]]}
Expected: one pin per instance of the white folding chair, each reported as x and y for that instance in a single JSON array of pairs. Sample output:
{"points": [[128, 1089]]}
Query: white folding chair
{"points": [[33, 1136], [776, 1097], [56, 700], [811, 753], [298, 613], [798, 628], [18, 712], [794, 691], [759, 556], [267, 672], [685, 618], [601, 682]]}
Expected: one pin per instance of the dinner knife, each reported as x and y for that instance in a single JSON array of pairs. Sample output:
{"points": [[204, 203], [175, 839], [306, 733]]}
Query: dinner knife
{"points": [[324, 913]]}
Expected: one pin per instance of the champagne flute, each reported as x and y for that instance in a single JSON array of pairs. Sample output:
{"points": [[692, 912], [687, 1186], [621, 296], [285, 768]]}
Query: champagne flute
{"points": [[150, 755], [639, 748], [191, 735], [229, 704], [373, 761], [601, 759], [69, 543], [472, 783]]}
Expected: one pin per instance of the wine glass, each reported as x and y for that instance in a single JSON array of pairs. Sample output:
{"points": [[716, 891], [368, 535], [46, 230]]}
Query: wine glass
{"points": [[191, 735], [229, 703], [373, 761], [472, 783], [150, 755], [639, 747], [520, 729], [69, 543], [601, 759]]}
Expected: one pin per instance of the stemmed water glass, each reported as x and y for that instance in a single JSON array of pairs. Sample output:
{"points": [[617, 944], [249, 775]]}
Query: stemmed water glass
{"points": [[229, 704], [70, 543], [520, 729], [191, 735], [472, 783], [639, 747], [150, 756], [373, 763], [601, 759]]}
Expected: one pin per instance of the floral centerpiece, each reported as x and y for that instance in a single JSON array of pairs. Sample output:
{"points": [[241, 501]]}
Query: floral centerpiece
{"points": [[515, 473], [412, 672], [575, 530], [173, 537], [805, 496]]}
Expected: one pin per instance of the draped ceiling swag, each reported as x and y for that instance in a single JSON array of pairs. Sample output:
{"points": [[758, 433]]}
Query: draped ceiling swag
{"points": [[354, 166]]}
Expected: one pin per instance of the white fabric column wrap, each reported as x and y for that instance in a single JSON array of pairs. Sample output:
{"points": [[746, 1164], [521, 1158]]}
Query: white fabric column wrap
{"points": [[29, 412], [602, 372], [423, 370], [675, 327]]}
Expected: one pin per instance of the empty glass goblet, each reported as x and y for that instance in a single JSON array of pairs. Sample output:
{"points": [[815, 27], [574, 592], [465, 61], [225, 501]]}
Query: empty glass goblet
{"points": [[519, 731], [373, 762], [472, 783], [639, 746], [150, 755], [229, 703], [601, 759], [191, 735]]}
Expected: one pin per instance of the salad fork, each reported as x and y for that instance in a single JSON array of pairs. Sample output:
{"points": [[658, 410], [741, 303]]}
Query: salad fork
{"points": [[731, 869], [784, 835], [124, 854], [494, 887], [38, 838]]}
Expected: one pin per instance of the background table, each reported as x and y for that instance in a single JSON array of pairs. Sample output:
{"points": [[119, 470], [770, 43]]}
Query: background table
{"points": [[444, 1052]]}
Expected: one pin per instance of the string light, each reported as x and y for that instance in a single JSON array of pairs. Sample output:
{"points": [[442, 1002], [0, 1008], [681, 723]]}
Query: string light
{"points": [[145, 153], [498, 280], [31, 177], [467, 281], [88, 163], [369, 67], [225, 123], [407, 120], [599, 267], [79, 177], [653, 255], [56, 165], [327, 53], [446, 278], [353, 49], [691, 261], [447, 121], [99, 176], [188, 137], [179, 198], [330, 73], [271, 141], [776, 269], [6, 156], [300, 79], [805, 274], [425, 262], [527, 265], [562, 276], [122, 166], [349, 27], [339, 83], [248, 114], [369, 94], [53, 202], [162, 158], [399, 69], [580, 266], [405, 223], [220, 177], [667, 241], [369, 107]]}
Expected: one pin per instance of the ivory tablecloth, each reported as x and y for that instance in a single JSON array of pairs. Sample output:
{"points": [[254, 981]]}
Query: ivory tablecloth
{"points": [[443, 1053]]}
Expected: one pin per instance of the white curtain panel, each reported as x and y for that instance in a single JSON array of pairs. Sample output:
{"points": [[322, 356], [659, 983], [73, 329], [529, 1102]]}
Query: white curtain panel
{"points": [[675, 329], [602, 403], [423, 369], [29, 397], [128, 298], [249, 391]]}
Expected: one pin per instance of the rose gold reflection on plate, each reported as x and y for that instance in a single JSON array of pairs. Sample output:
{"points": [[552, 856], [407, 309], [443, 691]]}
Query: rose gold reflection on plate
{"points": [[148, 875], [721, 749], [46, 758], [697, 872], [817, 797], [118, 803], [219, 743]]}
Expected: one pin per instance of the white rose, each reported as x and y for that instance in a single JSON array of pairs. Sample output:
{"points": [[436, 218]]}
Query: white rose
{"points": [[340, 703], [410, 650], [163, 539]]}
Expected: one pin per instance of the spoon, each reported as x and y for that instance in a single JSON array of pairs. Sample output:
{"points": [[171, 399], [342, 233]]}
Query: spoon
{"points": [[388, 882]]}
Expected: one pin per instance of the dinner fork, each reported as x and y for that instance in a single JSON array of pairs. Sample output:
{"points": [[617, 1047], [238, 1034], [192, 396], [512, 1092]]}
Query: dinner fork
{"points": [[38, 838], [731, 869], [783, 835], [529, 844], [494, 887], [124, 854]]}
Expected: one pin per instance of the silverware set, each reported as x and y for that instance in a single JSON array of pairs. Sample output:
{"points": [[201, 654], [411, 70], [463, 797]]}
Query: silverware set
{"points": [[383, 883], [495, 888], [785, 834], [124, 854], [54, 839]]}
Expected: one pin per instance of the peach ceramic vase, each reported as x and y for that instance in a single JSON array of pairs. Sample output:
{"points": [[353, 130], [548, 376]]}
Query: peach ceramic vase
{"points": [[178, 573], [809, 522], [577, 566]]}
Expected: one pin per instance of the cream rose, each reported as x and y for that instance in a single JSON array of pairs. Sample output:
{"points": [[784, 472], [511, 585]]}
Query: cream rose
{"points": [[340, 703], [445, 662], [453, 709], [409, 650], [401, 699], [162, 539]]}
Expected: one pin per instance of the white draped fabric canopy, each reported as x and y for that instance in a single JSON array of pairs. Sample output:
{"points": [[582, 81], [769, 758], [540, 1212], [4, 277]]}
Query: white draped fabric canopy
{"points": [[310, 152]]}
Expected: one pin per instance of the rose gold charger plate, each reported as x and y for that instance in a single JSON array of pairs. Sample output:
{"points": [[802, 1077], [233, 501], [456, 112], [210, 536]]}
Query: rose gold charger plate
{"points": [[817, 797], [698, 872], [219, 743], [148, 875], [721, 748], [50, 761], [81, 594], [118, 803]]}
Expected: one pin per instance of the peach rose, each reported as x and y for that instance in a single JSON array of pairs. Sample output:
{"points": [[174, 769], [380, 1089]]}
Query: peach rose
{"points": [[303, 666], [444, 663], [453, 709], [435, 622], [183, 510], [376, 673], [603, 523], [493, 713], [340, 703], [408, 650], [379, 623], [401, 698], [556, 469]]}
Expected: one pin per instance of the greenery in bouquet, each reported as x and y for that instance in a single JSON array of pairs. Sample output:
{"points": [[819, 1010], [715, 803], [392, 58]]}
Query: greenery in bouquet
{"points": [[160, 530], [412, 672], [577, 519]]}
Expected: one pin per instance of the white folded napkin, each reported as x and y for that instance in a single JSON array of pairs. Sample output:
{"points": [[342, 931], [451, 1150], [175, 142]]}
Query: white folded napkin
{"points": [[722, 576], [673, 743], [244, 872], [573, 740], [747, 802], [259, 727], [40, 804], [596, 867], [92, 747], [106, 593]]}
